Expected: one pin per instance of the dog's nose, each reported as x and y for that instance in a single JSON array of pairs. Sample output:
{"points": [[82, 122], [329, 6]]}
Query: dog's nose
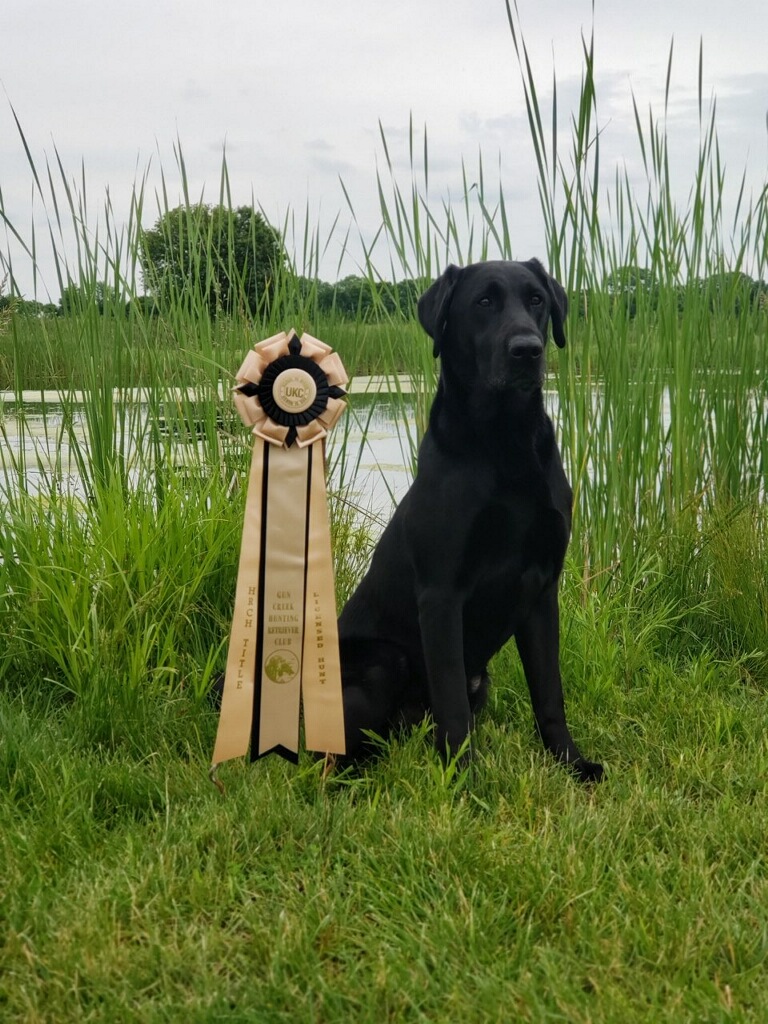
{"points": [[526, 346]]}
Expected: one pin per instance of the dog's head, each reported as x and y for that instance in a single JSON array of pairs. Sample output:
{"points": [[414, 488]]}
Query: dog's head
{"points": [[489, 321]]}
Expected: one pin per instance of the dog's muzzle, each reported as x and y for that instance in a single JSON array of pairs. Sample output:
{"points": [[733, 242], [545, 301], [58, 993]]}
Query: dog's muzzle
{"points": [[526, 348], [521, 367]]}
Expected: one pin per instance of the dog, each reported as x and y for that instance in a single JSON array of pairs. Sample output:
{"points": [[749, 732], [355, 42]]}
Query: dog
{"points": [[473, 554]]}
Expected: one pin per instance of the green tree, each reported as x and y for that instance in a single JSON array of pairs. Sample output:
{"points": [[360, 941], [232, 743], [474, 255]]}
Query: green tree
{"points": [[732, 291], [77, 298], [629, 285], [228, 259]]}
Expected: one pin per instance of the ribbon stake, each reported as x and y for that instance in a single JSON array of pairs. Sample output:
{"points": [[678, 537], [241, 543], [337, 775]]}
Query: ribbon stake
{"points": [[284, 645]]}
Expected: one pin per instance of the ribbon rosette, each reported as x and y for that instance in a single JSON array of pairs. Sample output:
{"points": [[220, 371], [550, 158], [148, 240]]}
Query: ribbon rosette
{"points": [[284, 648], [290, 389]]}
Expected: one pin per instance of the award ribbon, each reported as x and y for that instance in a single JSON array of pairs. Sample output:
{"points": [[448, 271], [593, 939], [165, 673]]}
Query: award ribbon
{"points": [[284, 645]]}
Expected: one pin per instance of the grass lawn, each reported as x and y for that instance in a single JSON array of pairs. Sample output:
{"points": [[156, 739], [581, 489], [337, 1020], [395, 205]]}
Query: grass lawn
{"points": [[132, 890]]}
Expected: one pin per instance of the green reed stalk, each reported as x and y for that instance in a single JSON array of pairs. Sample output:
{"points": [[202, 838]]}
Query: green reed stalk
{"points": [[661, 401]]}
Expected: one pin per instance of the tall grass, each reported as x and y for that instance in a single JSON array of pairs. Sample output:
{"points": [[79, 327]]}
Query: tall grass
{"points": [[667, 407], [660, 395], [660, 399]]}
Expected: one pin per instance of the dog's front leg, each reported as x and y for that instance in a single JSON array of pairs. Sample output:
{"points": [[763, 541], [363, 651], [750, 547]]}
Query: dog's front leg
{"points": [[440, 622], [538, 641]]}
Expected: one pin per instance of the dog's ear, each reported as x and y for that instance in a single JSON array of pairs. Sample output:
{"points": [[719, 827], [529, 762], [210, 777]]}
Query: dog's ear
{"points": [[558, 299], [434, 304]]}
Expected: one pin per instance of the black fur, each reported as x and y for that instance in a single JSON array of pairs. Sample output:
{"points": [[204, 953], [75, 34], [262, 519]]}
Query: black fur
{"points": [[473, 553]]}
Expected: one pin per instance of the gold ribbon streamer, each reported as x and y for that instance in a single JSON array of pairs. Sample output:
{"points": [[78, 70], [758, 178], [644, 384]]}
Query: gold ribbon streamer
{"points": [[234, 732], [321, 677], [284, 640], [282, 610]]}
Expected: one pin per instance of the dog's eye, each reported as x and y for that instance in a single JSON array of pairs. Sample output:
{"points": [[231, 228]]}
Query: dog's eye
{"points": [[536, 299], [484, 302]]}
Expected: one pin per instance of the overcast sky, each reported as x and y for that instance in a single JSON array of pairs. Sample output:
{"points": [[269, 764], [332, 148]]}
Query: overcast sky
{"points": [[295, 90]]}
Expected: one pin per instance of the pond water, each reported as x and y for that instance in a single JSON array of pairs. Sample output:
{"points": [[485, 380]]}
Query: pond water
{"points": [[371, 453], [44, 440]]}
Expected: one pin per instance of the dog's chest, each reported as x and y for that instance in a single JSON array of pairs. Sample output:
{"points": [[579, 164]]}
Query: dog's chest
{"points": [[515, 552], [515, 546]]}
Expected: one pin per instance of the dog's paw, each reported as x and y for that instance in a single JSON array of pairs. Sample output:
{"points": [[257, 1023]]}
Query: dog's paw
{"points": [[452, 742], [587, 771], [457, 767]]}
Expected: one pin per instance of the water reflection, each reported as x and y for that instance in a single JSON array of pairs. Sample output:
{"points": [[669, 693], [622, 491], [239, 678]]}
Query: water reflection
{"points": [[45, 444]]}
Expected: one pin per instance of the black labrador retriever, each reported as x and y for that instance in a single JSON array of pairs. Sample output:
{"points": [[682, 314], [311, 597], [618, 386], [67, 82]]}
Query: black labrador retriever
{"points": [[473, 553]]}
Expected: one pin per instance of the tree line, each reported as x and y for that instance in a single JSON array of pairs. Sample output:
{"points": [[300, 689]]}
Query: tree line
{"points": [[225, 261], [232, 261]]}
